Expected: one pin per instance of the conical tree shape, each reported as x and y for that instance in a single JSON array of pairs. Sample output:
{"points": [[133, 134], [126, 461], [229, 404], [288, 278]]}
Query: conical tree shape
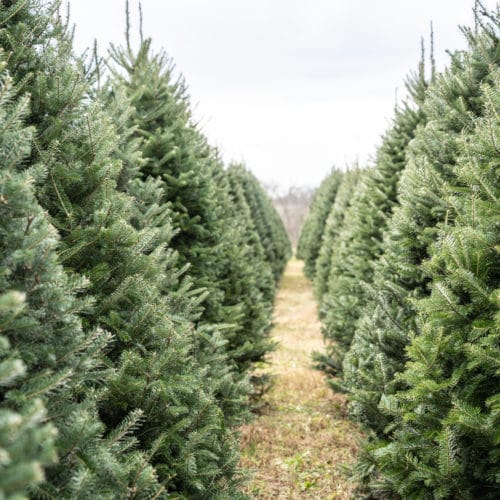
{"points": [[452, 105], [263, 270], [183, 445], [268, 224], [451, 449], [359, 242], [208, 236], [61, 361], [332, 229], [242, 287], [311, 234], [175, 152], [149, 211]]}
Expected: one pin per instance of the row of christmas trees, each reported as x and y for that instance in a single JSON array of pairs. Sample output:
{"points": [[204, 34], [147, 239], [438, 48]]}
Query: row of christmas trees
{"points": [[404, 260], [137, 276]]}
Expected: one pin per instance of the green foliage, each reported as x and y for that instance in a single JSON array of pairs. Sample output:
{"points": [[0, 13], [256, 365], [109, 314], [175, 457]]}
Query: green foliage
{"points": [[26, 441], [311, 235], [138, 351], [262, 268], [446, 433], [359, 240], [268, 224], [331, 231], [408, 284], [50, 358], [162, 421], [216, 243], [399, 277]]}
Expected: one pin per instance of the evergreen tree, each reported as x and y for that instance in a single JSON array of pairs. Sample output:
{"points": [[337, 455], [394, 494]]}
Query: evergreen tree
{"points": [[262, 267], [56, 360], [452, 105], [150, 211], [176, 153], [269, 226], [209, 236], [248, 279], [311, 234], [159, 392], [332, 228], [26, 441], [359, 241], [445, 444]]}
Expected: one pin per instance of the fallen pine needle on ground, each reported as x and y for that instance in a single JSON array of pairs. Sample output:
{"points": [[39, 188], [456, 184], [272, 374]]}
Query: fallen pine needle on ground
{"points": [[297, 446]]}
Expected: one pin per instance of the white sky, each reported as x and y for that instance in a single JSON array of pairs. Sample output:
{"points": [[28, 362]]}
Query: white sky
{"points": [[291, 87]]}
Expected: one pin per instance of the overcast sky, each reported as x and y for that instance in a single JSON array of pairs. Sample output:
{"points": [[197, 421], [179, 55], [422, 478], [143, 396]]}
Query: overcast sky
{"points": [[291, 87]]}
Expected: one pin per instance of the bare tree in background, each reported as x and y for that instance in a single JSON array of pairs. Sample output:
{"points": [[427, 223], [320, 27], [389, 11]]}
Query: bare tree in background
{"points": [[292, 205]]}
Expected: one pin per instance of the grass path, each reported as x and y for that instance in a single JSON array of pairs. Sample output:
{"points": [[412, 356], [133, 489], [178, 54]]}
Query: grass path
{"points": [[298, 443]]}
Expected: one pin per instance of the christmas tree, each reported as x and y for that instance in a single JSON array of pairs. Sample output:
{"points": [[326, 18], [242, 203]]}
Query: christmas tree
{"points": [[332, 228], [311, 234], [157, 393]]}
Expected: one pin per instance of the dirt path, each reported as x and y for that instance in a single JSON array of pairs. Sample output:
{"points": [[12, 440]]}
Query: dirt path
{"points": [[298, 444]]}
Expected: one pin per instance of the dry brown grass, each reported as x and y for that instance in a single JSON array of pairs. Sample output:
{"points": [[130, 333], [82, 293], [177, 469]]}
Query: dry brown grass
{"points": [[297, 447]]}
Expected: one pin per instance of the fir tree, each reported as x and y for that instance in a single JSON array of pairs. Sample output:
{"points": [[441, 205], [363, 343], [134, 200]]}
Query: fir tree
{"points": [[452, 105], [247, 279], [446, 440], [269, 226], [176, 153], [359, 241], [208, 235], [311, 234], [159, 391], [262, 268], [57, 361], [331, 231], [26, 440]]}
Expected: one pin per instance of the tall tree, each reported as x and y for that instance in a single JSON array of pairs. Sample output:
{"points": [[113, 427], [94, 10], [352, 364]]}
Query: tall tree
{"points": [[57, 361], [209, 235], [269, 226], [158, 391], [359, 242], [453, 104], [445, 442]]}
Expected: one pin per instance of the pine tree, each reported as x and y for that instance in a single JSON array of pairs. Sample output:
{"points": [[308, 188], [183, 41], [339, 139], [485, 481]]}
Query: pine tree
{"points": [[360, 239], [446, 440], [452, 105], [26, 440], [57, 362], [311, 234], [268, 224], [176, 153], [262, 267], [248, 279], [209, 237], [332, 229], [159, 392]]}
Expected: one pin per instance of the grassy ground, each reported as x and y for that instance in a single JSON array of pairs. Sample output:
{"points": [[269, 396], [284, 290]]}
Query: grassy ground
{"points": [[297, 446]]}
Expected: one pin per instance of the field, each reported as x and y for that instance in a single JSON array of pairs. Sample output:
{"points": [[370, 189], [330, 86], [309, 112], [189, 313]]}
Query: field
{"points": [[298, 444]]}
